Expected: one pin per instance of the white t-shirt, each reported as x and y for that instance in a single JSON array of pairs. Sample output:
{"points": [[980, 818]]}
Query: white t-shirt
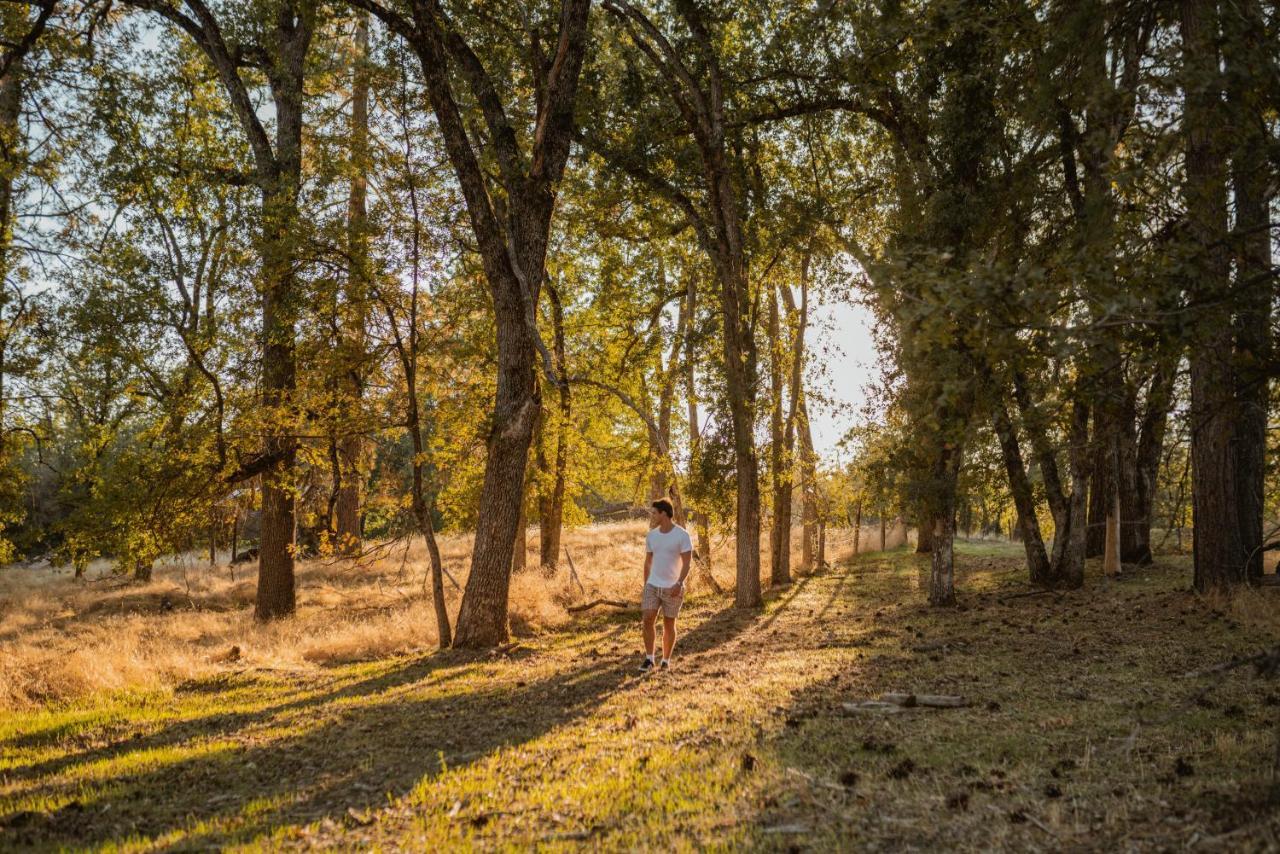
{"points": [[666, 550]]}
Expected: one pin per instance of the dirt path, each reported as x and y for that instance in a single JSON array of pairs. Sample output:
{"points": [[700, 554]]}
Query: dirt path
{"points": [[1079, 734]]}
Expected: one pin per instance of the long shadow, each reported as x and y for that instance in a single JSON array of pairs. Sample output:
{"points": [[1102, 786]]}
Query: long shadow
{"points": [[220, 724], [361, 750]]}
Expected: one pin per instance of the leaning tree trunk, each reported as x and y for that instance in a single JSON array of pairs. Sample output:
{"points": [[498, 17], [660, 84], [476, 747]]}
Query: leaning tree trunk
{"points": [[421, 506], [1023, 500]]}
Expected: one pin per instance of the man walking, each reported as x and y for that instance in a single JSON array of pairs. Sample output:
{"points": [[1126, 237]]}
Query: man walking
{"points": [[668, 551]]}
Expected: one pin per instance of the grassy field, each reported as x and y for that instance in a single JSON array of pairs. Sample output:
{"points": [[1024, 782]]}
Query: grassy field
{"points": [[1082, 732]]}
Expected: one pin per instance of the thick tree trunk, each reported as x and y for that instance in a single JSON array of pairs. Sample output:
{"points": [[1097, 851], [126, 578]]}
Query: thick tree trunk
{"points": [[942, 590], [280, 218], [482, 618], [1246, 51], [1220, 557], [276, 595]]}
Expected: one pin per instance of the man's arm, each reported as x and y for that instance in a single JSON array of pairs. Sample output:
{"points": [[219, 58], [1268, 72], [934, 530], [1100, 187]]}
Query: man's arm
{"points": [[648, 564], [686, 560]]}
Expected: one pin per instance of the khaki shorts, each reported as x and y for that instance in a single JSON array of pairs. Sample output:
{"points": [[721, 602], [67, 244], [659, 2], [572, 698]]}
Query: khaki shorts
{"points": [[654, 599]]}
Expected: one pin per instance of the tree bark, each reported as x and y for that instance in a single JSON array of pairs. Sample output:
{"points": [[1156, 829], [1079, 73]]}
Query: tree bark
{"points": [[551, 504], [942, 591], [512, 230], [351, 445], [700, 519], [1111, 554], [924, 538], [1246, 53], [1042, 574], [1220, 557], [780, 530], [520, 555]]}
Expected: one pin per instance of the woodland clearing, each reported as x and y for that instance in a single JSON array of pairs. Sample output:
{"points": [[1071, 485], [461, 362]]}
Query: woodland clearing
{"points": [[1082, 731]]}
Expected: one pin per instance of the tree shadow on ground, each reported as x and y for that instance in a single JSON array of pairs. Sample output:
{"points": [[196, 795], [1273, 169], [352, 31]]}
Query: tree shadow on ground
{"points": [[333, 754]]}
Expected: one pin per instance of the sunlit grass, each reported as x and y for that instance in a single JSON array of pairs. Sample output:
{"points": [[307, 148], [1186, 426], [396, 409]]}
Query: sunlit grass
{"points": [[558, 744]]}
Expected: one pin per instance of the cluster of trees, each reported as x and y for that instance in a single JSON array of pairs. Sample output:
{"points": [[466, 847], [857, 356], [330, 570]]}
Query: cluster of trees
{"points": [[1083, 206], [313, 271]]}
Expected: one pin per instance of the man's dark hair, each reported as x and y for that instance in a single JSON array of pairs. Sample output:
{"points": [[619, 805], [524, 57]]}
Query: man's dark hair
{"points": [[662, 505]]}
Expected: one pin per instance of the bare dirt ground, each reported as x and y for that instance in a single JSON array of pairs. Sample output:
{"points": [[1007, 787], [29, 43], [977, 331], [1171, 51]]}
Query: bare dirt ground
{"points": [[1081, 732]]}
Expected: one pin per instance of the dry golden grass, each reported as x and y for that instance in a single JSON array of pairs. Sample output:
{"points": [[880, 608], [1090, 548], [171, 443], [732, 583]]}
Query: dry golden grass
{"points": [[61, 639]]}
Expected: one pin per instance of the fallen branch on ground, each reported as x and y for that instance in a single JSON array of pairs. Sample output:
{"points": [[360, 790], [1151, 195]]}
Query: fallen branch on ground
{"points": [[892, 703], [1266, 662], [574, 609]]}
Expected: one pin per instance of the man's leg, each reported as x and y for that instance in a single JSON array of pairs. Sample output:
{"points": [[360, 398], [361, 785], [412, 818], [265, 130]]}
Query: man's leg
{"points": [[668, 636], [648, 619]]}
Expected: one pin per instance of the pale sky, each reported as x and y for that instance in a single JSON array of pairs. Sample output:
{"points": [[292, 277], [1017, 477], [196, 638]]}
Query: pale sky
{"points": [[846, 365]]}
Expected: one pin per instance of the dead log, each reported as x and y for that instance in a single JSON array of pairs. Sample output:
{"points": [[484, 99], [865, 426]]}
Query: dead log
{"points": [[576, 609]]}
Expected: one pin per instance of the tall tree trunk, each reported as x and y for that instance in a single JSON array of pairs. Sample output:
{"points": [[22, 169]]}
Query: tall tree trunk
{"points": [[511, 230], [809, 504], [551, 505], [351, 444], [278, 174], [1220, 558], [797, 320], [700, 519], [1111, 553], [1246, 53], [780, 530], [276, 594]]}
